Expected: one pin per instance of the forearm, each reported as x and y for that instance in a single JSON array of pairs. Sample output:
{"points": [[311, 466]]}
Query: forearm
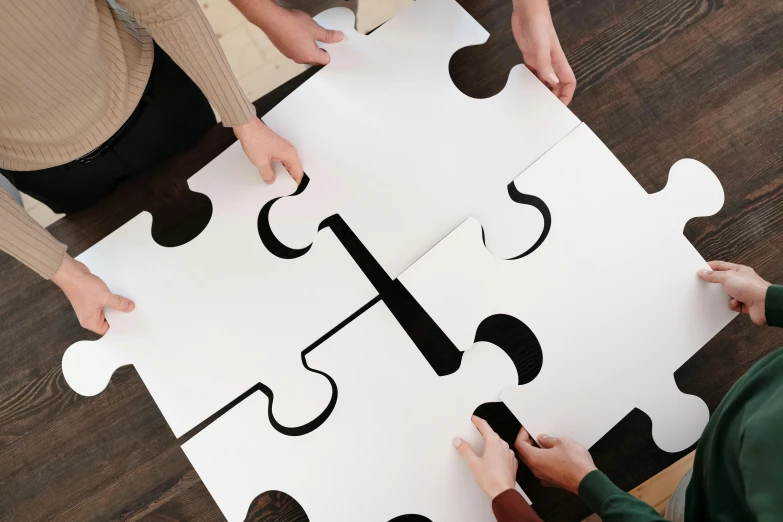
{"points": [[26, 240], [182, 30], [258, 12], [528, 5], [510, 506], [611, 503]]}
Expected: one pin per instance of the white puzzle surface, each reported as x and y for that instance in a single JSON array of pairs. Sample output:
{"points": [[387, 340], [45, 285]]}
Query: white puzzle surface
{"points": [[388, 441], [403, 156], [219, 314], [612, 294]]}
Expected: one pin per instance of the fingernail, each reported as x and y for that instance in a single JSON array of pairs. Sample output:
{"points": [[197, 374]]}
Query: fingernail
{"points": [[457, 441], [131, 306], [543, 436], [553, 78], [704, 272]]}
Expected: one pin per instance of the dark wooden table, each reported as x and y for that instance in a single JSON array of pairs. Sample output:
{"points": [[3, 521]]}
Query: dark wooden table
{"points": [[659, 80]]}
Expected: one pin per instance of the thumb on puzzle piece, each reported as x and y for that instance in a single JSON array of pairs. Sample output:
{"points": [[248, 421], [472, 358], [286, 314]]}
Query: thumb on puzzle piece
{"points": [[339, 19]]}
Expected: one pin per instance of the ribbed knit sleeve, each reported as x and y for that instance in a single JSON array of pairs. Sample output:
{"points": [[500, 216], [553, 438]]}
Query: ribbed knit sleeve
{"points": [[26, 240], [182, 30]]}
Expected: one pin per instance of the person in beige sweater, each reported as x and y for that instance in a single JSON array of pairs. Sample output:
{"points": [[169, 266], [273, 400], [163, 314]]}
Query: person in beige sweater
{"points": [[94, 91]]}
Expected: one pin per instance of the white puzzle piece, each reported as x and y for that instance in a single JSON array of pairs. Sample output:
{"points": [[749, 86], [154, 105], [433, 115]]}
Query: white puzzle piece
{"points": [[394, 148], [219, 314], [385, 451], [612, 294]]}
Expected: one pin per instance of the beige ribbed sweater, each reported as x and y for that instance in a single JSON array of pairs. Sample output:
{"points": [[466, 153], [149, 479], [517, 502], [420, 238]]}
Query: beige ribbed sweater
{"points": [[73, 71]]}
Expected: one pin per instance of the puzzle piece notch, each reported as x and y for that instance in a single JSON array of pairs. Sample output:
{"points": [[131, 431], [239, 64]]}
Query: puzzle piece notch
{"points": [[587, 295], [456, 29], [220, 314], [679, 418], [394, 148], [394, 421]]}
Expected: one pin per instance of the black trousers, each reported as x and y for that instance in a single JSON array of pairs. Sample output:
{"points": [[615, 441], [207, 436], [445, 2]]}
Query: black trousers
{"points": [[172, 117]]}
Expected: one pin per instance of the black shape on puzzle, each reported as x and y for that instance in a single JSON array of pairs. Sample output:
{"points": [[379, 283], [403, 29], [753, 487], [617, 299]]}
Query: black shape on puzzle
{"points": [[272, 244], [438, 350], [441, 354], [538, 203], [181, 216], [275, 505], [518, 341]]}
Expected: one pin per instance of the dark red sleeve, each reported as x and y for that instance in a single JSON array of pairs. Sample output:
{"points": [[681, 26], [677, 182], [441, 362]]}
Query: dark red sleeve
{"points": [[510, 506]]}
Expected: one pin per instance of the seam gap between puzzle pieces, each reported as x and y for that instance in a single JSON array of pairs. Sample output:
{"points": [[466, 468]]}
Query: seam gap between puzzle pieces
{"points": [[262, 388]]}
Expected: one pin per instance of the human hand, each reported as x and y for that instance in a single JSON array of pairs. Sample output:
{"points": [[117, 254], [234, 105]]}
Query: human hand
{"points": [[747, 290], [88, 295], [559, 462], [294, 33], [263, 146], [496, 470], [534, 32]]}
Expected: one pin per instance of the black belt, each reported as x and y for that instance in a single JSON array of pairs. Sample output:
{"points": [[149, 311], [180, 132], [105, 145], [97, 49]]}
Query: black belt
{"points": [[146, 99]]}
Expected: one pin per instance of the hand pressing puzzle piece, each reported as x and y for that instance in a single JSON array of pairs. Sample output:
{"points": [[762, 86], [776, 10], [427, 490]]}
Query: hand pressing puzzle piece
{"points": [[394, 148], [385, 451], [220, 314], [612, 294]]}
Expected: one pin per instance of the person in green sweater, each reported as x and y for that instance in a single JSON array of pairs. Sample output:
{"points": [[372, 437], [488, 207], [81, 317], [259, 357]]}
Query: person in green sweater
{"points": [[738, 470], [737, 474]]}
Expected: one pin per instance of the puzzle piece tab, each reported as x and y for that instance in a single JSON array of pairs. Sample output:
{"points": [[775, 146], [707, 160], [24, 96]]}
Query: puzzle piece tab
{"points": [[612, 294], [385, 450], [394, 148], [219, 314]]}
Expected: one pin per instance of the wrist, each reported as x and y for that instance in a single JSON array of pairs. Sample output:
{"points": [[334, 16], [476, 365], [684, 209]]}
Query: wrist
{"points": [[493, 490], [761, 293], [68, 271], [579, 475], [242, 130]]}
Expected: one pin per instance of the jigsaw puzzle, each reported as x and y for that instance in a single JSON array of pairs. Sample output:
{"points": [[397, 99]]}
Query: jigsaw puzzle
{"points": [[386, 449], [219, 314], [394, 148], [612, 294]]}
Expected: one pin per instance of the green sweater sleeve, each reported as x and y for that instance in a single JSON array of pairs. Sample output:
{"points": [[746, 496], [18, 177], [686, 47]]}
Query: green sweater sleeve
{"points": [[761, 454], [762, 473], [613, 504], [773, 306]]}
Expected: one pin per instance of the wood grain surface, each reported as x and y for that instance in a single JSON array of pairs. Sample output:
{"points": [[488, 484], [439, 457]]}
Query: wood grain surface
{"points": [[659, 80]]}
